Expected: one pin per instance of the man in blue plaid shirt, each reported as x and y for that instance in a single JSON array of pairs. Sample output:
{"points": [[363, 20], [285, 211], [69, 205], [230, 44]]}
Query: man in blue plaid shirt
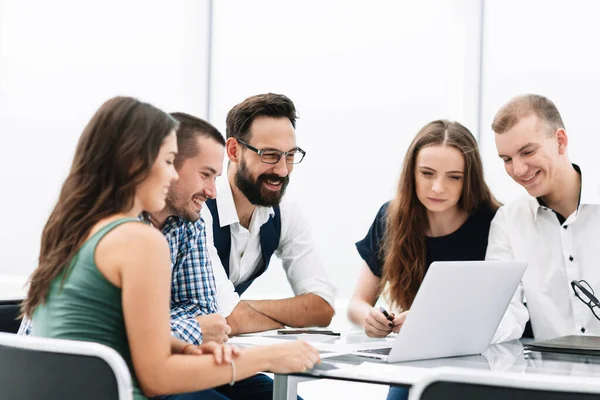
{"points": [[194, 305], [192, 283]]}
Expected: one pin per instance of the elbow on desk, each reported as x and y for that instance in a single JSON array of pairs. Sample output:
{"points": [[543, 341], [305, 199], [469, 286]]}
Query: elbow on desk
{"points": [[320, 317], [326, 315]]}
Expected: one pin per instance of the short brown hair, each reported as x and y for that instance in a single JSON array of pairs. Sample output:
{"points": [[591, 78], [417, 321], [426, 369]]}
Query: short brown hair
{"points": [[241, 116], [190, 128], [523, 106]]}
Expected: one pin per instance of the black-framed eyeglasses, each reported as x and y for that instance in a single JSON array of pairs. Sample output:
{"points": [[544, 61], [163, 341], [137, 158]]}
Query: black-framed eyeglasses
{"points": [[585, 293], [294, 156]]}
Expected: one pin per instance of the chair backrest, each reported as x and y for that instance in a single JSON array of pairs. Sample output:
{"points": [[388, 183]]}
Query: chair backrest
{"points": [[465, 384], [40, 368], [9, 315]]}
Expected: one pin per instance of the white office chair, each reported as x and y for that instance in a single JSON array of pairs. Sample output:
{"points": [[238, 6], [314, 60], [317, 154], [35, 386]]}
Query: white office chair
{"points": [[40, 368], [465, 384]]}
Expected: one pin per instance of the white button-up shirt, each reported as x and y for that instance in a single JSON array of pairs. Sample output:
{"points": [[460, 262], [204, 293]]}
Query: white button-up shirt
{"points": [[556, 255], [298, 252]]}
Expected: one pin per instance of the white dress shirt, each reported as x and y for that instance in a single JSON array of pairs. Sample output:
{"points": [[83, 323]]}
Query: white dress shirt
{"points": [[298, 252], [227, 298], [556, 255]]}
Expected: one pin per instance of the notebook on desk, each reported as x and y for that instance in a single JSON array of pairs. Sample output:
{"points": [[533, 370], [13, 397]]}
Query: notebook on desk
{"points": [[572, 344]]}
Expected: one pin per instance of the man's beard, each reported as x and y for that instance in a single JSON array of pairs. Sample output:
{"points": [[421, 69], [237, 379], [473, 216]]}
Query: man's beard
{"points": [[172, 201], [254, 191]]}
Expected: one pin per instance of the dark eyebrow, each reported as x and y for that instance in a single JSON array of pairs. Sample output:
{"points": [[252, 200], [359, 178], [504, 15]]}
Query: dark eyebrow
{"points": [[448, 172], [212, 170]]}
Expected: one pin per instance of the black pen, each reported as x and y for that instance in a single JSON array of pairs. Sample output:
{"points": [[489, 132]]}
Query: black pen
{"points": [[388, 316], [307, 331]]}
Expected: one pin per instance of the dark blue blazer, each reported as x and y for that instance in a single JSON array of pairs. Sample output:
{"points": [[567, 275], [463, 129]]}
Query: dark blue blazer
{"points": [[270, 233]]}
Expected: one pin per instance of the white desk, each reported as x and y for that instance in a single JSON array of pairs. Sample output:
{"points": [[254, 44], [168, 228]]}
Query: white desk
{"points": [[506, 357]]}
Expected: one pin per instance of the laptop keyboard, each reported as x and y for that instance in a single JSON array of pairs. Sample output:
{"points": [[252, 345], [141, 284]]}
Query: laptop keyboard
{"points": [[384, 351]]}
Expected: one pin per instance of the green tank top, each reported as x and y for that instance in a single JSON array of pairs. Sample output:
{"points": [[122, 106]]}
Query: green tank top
{"points": [[88, 307]]}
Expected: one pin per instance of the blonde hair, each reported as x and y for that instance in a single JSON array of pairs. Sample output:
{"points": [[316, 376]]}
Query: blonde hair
{"points": [[523, 106]]}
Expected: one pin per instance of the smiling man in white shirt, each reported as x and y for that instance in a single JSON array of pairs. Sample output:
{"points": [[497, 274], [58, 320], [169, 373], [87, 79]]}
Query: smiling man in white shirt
{"points": [[250, 221], [556, 228]]}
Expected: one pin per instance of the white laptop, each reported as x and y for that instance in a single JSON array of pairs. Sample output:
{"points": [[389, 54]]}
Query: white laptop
{"points": [[456, 311]]}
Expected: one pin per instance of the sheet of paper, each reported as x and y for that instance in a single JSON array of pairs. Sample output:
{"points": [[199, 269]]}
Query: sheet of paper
{"points": [[308, 337], [256, 340], [336, 344], [332, 354]]}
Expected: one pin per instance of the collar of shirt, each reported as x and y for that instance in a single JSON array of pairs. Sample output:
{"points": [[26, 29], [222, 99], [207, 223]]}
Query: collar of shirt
{"points": [[227, 211], [175, 222], [589, 193]]}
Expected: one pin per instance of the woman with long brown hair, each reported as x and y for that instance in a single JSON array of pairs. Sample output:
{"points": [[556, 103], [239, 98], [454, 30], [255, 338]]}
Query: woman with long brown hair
{"points": [[104, 275], [442, 212]]}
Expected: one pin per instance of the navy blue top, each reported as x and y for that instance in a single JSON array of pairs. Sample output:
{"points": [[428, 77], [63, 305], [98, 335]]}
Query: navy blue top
{"points": [[469, 242]]}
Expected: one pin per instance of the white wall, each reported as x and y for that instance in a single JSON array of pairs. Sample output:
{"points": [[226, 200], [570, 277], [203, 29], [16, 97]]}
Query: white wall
{"points": [[549, 48], [365, 76], [59, 60]]}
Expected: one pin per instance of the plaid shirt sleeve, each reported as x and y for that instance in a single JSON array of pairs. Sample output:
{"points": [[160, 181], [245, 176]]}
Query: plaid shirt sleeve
{"points": [[183, 324], [193, 291]]}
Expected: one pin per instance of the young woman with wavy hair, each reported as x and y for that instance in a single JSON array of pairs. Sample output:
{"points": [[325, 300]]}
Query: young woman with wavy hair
{"points": [[442, 212], [104, 275]]}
